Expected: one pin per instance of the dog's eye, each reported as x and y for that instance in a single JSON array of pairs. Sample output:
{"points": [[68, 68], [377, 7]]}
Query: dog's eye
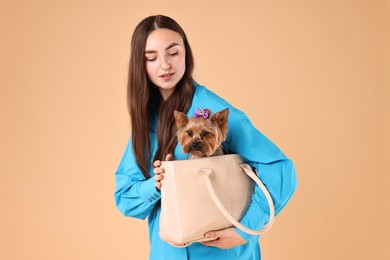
{"points": [[205, 133], [189, 132]]}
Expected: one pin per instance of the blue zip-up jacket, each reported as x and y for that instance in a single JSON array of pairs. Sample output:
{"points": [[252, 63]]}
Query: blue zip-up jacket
{"points": [[137, 197]]}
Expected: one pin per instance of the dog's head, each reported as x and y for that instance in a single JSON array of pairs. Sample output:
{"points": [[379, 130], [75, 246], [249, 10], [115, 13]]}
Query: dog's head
{"points": [[203, 134]]}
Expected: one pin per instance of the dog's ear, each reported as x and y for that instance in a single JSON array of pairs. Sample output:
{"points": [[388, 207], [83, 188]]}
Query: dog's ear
{"points": [[221, 119], [181, 119]]}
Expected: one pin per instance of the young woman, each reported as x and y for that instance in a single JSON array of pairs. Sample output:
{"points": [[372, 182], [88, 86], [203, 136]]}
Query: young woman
{"points": [[160, 81]]}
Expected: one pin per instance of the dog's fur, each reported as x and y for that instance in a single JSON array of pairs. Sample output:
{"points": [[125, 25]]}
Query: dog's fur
{"points": [[202, 137]]}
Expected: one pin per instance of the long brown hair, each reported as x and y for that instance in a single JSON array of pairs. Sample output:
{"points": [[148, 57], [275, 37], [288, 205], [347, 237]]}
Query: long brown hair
{"points": [[144, 99]]}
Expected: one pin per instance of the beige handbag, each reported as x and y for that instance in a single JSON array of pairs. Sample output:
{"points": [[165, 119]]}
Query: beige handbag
{"points": [[200, 195]]}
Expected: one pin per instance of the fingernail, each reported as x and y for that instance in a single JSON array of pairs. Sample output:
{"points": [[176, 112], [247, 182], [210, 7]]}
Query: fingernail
{"points": [[207, 235]]}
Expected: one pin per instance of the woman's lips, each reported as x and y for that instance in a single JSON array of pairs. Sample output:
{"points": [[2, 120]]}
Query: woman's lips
{"points": [[167, 76]]}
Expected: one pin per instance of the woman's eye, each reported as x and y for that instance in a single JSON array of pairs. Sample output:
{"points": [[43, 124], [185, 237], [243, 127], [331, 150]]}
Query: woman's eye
{"points": [[174, 53], [151, 58], [205, 133]]}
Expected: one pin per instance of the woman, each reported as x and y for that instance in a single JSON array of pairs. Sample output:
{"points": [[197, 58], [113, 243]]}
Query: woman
{"points": [[160, 81]]}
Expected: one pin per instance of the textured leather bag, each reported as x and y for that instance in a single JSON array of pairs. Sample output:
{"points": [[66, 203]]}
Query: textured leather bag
{"points": [[200, 195]]}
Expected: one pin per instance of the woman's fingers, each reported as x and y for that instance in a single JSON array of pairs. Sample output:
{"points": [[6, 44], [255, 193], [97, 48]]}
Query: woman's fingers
{"points": [[169, 157], [159, 177], [158, 173], [157, 163], [158, 170]]}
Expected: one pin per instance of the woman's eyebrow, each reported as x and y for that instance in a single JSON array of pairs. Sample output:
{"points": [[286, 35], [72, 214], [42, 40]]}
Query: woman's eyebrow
{"points": [[167, 48]]}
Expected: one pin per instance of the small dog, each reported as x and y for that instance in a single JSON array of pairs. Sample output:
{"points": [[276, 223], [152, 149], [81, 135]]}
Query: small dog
{"points": [[203, 134]]}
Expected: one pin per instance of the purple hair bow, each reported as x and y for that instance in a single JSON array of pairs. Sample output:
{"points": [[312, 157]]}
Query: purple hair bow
{"points": [[202, 113]]}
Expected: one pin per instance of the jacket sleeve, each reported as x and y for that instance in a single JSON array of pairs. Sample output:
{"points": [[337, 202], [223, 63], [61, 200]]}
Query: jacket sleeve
{"points": [[275, 170], [134, 195]]}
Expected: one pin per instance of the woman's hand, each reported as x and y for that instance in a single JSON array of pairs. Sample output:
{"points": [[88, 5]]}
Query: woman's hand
{"points": [[224, 239], [159, 171]]}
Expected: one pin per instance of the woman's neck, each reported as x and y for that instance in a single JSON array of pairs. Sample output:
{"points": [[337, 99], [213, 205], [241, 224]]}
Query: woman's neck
{"points": [[166, 93]]}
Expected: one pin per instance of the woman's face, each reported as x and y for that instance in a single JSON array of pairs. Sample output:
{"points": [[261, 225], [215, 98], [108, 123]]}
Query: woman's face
{"points": [[165, 60]]}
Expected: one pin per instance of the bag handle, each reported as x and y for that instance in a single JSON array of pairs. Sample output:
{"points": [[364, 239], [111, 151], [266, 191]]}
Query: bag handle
{"points": [[206, 173]]}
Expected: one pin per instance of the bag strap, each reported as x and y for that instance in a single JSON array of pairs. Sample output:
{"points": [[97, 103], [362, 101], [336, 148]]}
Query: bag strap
{"points": [[206, 172]]}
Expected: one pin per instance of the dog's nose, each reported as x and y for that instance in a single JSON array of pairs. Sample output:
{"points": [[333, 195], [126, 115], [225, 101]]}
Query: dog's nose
{"points": [[195, 145]]}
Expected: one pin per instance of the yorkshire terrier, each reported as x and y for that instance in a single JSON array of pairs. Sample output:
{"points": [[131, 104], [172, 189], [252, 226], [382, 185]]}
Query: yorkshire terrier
{"points": [[203, 134]]}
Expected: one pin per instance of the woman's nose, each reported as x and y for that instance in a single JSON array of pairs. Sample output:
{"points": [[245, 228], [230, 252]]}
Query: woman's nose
{"points": [[165, 64]]}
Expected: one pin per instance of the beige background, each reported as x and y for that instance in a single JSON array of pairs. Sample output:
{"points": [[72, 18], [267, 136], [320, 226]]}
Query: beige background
{"points": [[312, 75]]}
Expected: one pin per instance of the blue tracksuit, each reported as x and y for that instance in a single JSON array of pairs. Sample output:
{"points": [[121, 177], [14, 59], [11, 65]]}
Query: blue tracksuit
{"points": [[136, 197]]}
